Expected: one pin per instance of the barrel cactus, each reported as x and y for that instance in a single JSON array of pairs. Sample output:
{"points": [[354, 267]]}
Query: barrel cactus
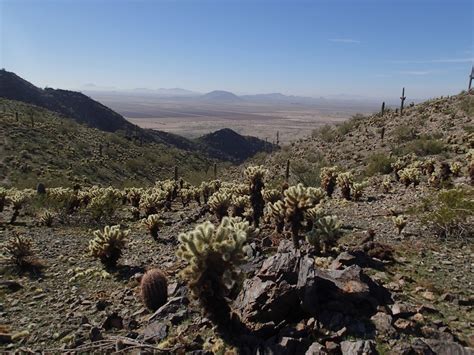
{"points": [[154, 289]]}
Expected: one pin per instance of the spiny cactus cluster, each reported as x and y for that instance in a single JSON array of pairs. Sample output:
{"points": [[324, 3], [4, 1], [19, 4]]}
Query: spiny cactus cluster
{"points": [[153, 223], [400, 222], [213, 255], [345, 181], [328, 177], [19, 251], [107, 245], [220, 203], [409, 175], [255, 176], [46, 218], [324, 234]]}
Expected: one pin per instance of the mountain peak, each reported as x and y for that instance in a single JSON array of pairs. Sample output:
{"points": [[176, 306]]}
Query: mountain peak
{"points": [[221, 96]]}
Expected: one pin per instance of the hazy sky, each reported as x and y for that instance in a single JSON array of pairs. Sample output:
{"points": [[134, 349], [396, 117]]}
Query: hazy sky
{"points": [[363, 47]]}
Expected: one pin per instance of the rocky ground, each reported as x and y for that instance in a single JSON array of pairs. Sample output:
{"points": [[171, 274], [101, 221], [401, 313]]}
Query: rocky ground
{"points": [[376, 292]]}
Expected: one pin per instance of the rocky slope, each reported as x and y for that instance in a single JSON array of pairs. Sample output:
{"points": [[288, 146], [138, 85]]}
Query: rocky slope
{"points": [[378, 290]]}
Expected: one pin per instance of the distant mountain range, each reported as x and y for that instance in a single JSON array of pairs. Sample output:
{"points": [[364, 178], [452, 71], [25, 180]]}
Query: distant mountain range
{"points": [[84, 110]]}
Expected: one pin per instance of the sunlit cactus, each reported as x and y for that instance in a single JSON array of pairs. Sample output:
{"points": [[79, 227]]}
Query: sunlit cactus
{"points": [[186, 196], [239, 204], [328, 177], [297, 201], [271, 195], [213, 255], [220, 203], [135, 213], [107, 245], [428, 166], [255, 175], [325, 233], [400, 223], [153, 223], [276, 213], [46, 218], [134, 196], [17, 201], [358, 190], [19, 251], [196, 195], [345, 181], [387, 184], [410, 175], [206, 191], [151, 203], [455, 168]]}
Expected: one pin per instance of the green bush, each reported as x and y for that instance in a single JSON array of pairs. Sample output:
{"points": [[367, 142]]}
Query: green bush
{"points": [[425, 145], [326, 133], [378, 163], [449, 214], [404, 133], [349, 125]]}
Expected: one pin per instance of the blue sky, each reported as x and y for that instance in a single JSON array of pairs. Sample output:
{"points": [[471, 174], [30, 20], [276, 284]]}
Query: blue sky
{"points": [[364, 47]]}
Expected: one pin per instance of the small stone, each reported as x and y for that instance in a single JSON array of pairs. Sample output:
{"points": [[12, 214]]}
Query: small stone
{"points": [[428, 295], [383, 323], [418, 317], [155, 332], [447, 297], [366, 347], [403, 324], [332, 347], [102, 304], [316, 349]]}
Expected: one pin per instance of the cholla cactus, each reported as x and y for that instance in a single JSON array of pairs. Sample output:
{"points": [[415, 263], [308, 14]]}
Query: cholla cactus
{"points": [[213, 255], [153, 223], [312, 215], [19, 251], [400, 222], [196, 195], [276, 213], [297, 201], [400, 164], [358, 190], [324, 234], [17, 201], [134, 196], [410, 175], [3, 198], [444, 172], [239, 204], [220, 203], [46, 218], [107, 245], [271, 195], [186, 196], [152, 203], [206, 191], [255, 176], [328, 177], [345, 181], [135, 211], [428, 166], [386, 184], [455, 168]]}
